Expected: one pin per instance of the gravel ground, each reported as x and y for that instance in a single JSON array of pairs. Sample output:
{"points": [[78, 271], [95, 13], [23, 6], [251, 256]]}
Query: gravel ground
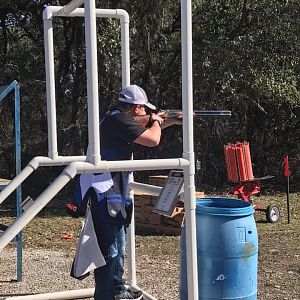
{"points": [[44, 271], [48, 271], [157, 262], [157, 257]]}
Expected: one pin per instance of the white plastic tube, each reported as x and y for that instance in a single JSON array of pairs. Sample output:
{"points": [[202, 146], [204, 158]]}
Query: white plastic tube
{"points": [[125, 53], [50, 88], [70, 172], [67, 9], [188, 148], [145, 188], [92, 81], [71, 10], [57, 11], [130, 240], [32, 166], [35, 208], [71, 294], [129, 165]]}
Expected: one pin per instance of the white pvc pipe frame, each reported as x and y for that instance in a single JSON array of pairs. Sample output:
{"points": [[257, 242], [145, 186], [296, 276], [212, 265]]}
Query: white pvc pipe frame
{"points": [[92, 163]]}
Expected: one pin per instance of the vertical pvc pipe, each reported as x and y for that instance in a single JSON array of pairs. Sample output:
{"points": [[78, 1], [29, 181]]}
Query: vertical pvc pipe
{"points": [[92, 82], [188, 148], [125, 56], [131, 261], [50, 87], [18, 170], [125, 50]]}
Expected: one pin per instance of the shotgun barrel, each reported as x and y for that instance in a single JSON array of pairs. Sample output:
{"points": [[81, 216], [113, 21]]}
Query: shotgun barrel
{"points": [[197, 113]]}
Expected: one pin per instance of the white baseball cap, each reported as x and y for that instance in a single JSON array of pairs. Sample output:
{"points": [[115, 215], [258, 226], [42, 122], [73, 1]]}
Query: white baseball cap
{"points": [[134, 94]]}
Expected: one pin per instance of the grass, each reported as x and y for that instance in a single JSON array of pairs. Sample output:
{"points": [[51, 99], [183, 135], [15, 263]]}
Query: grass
{"points": [[47, 229]]}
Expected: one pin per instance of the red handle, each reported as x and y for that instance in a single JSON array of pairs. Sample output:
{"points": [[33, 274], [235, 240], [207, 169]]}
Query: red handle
{"points": [[286, 168]]}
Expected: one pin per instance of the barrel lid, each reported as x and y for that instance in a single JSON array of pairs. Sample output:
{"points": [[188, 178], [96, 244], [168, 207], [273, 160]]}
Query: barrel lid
{"points": [[223, 207]]}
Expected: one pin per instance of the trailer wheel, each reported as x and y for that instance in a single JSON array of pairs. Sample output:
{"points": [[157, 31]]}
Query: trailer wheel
{"points": [[272, 213]]}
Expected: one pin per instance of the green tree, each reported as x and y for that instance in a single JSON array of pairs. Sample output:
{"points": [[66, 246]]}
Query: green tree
{"points": [[245, 58]]}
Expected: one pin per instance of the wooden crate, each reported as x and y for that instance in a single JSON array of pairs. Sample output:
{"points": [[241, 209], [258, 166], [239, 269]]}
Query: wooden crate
{"points": [[153, 219], [144, 214], [142, 228], [158, 180], [149, 200], [144, 199], [152, 223], [176, 221], [138, 200], [139, 210]]}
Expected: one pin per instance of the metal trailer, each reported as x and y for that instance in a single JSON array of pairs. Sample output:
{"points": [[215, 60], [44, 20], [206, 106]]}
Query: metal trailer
{"points": [[244, 184]]}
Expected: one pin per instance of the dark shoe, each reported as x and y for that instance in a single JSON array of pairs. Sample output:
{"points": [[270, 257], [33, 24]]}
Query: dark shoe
{"points": [[128, 294]]}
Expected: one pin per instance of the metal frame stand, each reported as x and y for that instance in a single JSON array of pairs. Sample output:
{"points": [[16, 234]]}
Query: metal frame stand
{"points": [[14, 86]]}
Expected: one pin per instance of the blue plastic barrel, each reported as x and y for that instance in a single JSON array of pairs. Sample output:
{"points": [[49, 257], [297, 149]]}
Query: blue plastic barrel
{"points": [[227, 250]]}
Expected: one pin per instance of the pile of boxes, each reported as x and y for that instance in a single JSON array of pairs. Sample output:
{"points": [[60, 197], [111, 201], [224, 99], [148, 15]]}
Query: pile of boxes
{"points": [[149, 222]]}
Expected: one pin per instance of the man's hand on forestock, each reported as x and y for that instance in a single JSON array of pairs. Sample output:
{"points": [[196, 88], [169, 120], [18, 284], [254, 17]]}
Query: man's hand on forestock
{"points": [[174, 120], [177, 120], [154, 117]]}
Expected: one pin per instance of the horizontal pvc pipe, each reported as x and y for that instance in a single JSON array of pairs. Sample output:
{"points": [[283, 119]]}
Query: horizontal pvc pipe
{"points": [[83, 167], [145, 188], [129, 165], [71, 294], [32, 166], [57, 11]]}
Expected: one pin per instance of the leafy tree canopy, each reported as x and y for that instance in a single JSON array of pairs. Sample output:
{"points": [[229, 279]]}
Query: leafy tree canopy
{"points": [[245, 58]]}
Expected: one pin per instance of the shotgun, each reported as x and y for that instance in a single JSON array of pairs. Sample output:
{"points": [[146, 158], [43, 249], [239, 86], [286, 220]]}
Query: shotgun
{"points": [[173, 113]]}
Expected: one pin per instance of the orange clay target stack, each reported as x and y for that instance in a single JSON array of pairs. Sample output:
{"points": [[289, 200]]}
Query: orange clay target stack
{"points": [[238, 163], [240, 175]]}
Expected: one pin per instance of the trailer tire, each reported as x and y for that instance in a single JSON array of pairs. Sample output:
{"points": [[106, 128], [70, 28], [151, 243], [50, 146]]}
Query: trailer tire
{"points": [[273, 213]]}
